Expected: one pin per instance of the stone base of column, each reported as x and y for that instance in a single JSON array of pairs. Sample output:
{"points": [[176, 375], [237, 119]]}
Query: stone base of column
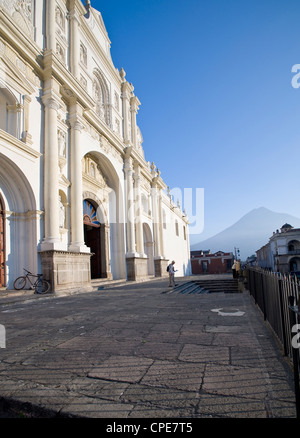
{"points": [[66, 271], [160, 266], [52, 245], [74, 247], [137, 268]]}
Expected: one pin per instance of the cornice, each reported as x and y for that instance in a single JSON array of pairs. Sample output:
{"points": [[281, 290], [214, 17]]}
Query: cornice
{"points": [[77, 5], [159, 183], [11, 71], [138, 158], [19, 41], [11, 141], [53, 67]]}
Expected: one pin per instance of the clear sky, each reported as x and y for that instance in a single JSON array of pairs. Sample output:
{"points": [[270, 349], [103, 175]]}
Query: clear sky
{"points": [[218, 109]]}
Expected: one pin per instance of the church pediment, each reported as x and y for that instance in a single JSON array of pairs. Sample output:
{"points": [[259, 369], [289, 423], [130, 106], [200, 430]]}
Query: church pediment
{"points": [[96, 24]]}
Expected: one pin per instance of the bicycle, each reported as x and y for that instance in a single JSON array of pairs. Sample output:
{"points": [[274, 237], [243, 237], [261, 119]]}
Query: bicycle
{"points": [[40, 285]]}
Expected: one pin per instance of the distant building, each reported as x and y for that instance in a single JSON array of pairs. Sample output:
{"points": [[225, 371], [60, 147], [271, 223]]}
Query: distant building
{"points": [[251, 261], [282, 252], [204, 262]]}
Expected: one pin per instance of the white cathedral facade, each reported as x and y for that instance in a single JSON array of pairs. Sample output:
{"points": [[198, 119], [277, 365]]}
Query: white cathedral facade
{"points": [[78, 200]]}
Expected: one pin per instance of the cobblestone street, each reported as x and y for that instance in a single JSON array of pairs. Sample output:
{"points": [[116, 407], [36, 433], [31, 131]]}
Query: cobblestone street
{"points": [[142, 351]]}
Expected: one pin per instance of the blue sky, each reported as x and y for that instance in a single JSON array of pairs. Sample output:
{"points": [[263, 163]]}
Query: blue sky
{"points": [[218, 110]]}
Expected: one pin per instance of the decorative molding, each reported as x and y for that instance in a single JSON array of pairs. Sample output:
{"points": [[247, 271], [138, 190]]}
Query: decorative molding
{"points": [[10, 142], [21, 12]]}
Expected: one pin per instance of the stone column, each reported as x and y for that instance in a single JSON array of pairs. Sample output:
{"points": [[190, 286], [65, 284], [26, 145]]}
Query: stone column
{"points": [[138, 211], [125, 96], [134, 106], [130, 225], [105, 257], [159, 262], [50, 25], [77, 236], [51, 174], [74, 43]]}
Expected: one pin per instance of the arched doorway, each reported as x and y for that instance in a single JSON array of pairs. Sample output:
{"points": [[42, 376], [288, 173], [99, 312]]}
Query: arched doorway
{"points": [[19, 223], [102, 188], [2, 244], [92, 237]]}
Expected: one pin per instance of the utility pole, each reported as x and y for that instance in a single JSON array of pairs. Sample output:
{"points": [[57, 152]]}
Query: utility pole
{"points": [[236, 253]]}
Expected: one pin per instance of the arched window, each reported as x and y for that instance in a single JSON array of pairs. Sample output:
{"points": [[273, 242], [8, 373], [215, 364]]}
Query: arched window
{"points": [[101, 97], [294, 245]]}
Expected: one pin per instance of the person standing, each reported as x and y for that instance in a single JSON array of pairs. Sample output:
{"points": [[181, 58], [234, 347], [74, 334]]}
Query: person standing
{"points": [[234, 269], [238, 268], [172, 274]]}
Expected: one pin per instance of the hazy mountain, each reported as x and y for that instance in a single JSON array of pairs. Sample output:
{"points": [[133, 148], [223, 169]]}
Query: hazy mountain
{"points": [[248, 234]]}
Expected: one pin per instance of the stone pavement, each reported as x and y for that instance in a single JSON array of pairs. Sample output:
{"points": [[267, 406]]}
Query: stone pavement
{"points": [[141, 350]]}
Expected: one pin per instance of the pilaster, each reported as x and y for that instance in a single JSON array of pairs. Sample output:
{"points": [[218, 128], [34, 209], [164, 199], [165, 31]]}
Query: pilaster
{"points": [[130, 208], [74, 42], [105, 256], [50, 25], [138, 211], [134, 106], [160, 263]]}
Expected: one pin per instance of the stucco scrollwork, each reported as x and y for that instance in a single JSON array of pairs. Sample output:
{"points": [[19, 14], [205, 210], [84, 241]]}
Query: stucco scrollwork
{"points": [[22, 13]]}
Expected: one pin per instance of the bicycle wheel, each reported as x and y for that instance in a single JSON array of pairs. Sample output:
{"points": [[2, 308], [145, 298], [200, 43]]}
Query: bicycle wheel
{"points": [[20, 283], [42, 286]]}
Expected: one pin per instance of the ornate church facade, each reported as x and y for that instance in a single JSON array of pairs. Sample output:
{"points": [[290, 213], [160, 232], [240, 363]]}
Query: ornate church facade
{"points": [[78, 200]]}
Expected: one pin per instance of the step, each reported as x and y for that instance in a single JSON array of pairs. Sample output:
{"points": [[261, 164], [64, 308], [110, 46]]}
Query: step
{"points": [[206, 286]]}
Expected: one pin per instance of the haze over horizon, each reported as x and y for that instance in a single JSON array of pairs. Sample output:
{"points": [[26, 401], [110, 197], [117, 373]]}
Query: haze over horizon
{"points": [[204, 235], [218, 109], [249, 233]]}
